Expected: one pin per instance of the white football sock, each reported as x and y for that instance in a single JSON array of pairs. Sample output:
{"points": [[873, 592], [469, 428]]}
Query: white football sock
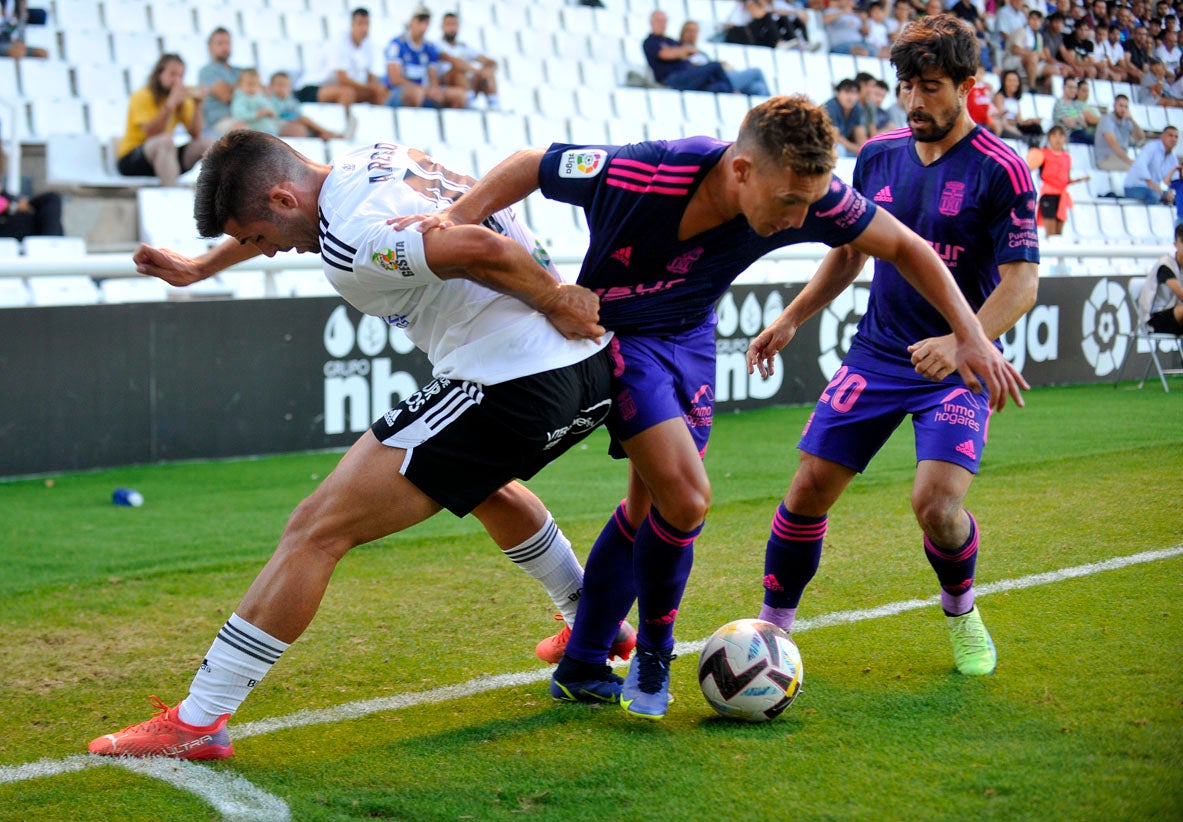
{"points": [[240, 656], [547, 556]]}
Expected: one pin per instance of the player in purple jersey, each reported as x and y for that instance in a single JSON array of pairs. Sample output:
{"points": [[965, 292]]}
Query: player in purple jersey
{"points": [[971, 197], [672, 225]]}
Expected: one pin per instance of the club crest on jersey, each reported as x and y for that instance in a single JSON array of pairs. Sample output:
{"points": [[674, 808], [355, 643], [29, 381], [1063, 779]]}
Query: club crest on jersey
{"points": [[951, 198], [585, 163], [682, 263]]}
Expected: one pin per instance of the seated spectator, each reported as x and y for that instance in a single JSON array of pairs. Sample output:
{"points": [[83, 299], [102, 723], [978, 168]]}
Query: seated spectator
{"points": [[967, 11], [153, 113], [1110, 55], [871, 93], [1160, 300], [292, 120], [217, 79], [1006, 102], [901, 15], [745, 81], [1078, 120], [765, 23], [251, 105], [412, 69], [15, 15], [897, 112], [1053, 39], [1025, 51], [1054, 164], [844, 29], [1169, 52], [1155, 88], [344, 75], [1115, 132], [1138, 53], [21, 216], [468, 68], [875, 30], [1149, 177], [1083, 56], [670, 61], [1011, 17], [846, 119]]}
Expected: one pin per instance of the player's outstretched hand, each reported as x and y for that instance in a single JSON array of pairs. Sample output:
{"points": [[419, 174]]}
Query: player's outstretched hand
{"points": [[422, 222], [763, 350], [167, 265], [979, 363], [574, 311]]}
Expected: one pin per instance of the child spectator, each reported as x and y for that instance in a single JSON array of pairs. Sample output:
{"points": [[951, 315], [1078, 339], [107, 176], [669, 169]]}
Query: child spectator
{"points": [[1055, 175], [251, 105], [292, 120]]}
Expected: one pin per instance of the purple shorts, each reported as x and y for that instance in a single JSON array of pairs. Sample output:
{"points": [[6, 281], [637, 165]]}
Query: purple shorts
{"points": [[661, 378], [858, 411]]}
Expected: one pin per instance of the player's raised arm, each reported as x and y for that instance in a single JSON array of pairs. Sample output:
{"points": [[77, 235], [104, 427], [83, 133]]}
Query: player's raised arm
{"points": [[499, 263], [509, 182], [970, 350], [177, 269]]}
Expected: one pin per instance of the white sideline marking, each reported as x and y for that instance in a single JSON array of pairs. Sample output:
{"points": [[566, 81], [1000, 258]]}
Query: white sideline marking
{"points": [[236, 798]]}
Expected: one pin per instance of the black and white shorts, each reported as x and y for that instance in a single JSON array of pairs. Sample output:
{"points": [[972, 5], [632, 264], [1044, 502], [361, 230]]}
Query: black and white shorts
{"points": [[465, 440]]}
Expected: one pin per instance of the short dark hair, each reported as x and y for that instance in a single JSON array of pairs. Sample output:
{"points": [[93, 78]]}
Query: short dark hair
{"points": [[1179, 232], [237, 172], [936, 41], [360, 11], [792, 132], [215, 32], [847, 85]]}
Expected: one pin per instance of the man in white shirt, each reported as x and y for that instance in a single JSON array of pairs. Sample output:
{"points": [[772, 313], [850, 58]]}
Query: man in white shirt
{"points": [[469, 69], [1169, 52], [521, 365], [1147, 179], [346, 72]]}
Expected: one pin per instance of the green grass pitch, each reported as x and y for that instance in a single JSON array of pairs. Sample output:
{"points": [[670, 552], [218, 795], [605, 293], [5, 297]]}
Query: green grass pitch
{"points": [[101, 606]]}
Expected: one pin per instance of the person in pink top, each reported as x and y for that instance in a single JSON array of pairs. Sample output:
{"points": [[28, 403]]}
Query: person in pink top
{"points": [[1055, 175]]}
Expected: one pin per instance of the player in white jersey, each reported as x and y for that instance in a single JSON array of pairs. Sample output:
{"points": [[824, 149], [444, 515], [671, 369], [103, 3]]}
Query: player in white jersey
{"points": [[518, 380]]}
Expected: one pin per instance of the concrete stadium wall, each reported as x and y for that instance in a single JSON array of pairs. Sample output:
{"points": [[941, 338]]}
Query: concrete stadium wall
{"points": [[107, 385]]}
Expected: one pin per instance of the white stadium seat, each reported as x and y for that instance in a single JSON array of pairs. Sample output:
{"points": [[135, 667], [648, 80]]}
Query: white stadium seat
{"points": [[67, 289], [13, 291], [133, 290]]}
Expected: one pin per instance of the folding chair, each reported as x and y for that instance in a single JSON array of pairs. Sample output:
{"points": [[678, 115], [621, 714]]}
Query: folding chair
{"points": [[1145, 340]]}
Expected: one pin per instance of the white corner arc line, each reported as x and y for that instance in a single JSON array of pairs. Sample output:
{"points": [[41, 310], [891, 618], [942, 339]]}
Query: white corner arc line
{"points": [[362, 708], [232, 795]]}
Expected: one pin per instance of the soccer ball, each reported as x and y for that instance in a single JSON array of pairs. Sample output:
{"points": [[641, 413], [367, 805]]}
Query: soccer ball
{"points": [[750, 670]]}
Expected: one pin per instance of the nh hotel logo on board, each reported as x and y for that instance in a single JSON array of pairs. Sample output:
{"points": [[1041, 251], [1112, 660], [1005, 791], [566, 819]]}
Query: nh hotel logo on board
{"points": [[360, 382]]}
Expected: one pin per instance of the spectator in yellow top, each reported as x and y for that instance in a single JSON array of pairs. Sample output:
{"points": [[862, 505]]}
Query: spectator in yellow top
{"points": [[153, 113]]}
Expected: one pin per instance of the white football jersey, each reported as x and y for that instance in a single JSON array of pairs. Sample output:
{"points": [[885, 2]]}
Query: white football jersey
{"points": [[468, 331]]}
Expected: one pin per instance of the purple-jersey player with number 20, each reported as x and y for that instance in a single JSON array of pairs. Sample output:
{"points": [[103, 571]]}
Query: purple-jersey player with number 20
{"points": [[967, 193]]}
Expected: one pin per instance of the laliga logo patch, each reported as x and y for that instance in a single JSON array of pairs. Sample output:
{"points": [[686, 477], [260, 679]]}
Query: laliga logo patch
{"points": [[586, 163]]}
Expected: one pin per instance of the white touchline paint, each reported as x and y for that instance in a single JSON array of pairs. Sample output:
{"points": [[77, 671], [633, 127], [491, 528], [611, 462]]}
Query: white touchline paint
{"points": [[237, 799]]}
